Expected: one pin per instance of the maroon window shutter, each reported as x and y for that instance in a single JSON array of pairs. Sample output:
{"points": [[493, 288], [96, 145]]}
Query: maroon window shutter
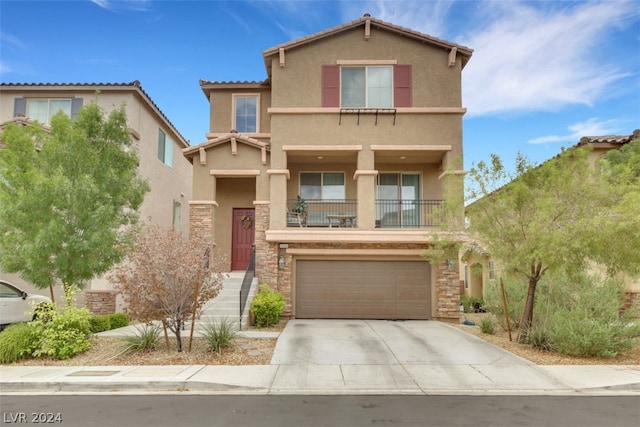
{"points": [[330, 85], [402, 85]]}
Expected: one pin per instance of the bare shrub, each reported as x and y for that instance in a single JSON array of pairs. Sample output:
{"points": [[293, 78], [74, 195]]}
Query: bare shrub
{"points": [[159, 278]]}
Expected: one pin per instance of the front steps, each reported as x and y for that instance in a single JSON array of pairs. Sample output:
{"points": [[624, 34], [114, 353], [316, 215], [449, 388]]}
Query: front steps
{"points": [[227, 304]]}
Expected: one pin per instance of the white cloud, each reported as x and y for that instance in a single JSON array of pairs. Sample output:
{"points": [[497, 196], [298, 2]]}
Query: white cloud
{"points": [[113, 5], [592, 127], [534, 59], [528, 56]]}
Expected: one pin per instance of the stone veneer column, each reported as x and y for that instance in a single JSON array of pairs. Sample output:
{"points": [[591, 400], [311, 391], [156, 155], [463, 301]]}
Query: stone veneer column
{"points": [[202, 219], [447, 293], [266, 253]]}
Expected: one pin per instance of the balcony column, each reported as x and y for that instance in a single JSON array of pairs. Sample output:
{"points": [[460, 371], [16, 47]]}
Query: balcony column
{"points": [[278, 198], [365, 176]]}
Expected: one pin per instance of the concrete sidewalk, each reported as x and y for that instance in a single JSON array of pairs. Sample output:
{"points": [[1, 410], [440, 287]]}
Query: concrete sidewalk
{"points": [[325, 379], [335, 367]]}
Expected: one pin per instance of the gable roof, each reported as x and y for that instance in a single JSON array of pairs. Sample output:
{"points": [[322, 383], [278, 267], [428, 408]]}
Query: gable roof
{"points": [[132, 86], [463, 51], [228, 138]]}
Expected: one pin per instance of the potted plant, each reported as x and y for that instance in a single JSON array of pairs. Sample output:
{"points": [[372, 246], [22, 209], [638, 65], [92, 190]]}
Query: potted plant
{"points": [[300, 209]]}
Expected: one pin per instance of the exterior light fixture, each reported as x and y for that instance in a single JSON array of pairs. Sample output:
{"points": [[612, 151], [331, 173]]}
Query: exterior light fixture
{"points": [[281, 263]]}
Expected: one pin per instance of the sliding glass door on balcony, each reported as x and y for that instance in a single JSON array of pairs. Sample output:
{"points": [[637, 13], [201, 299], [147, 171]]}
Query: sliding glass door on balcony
{"points": [[398, 199]]}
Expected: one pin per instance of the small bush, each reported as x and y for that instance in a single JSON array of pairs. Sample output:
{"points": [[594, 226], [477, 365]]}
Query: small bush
{"points": [[44, 311], [19, 341], [118, 320], [516, 293], [219, 334], [65, 334], [471, 304], [488, 325], [146, 337], [100, 323], [267, 306], [584, 318], [538, 337]]}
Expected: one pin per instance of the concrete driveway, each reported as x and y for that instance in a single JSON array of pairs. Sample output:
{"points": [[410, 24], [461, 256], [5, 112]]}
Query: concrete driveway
{"points": [[381, 342]]}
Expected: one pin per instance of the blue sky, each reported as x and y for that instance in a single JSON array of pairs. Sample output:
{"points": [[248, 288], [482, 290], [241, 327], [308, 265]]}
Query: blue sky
{"points": [[543, 73]]}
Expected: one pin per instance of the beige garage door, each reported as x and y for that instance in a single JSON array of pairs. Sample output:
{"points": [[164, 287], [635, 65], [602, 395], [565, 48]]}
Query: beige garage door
{"points": [[362, 289]]}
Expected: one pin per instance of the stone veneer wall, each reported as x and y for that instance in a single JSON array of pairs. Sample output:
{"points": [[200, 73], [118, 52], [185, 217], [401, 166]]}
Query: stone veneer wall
{"points": [[100, 302], [201, 219]]}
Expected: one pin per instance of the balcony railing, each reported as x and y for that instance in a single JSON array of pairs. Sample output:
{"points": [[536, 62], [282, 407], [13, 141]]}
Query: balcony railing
{"points": [[408, 213], [323, 213]]}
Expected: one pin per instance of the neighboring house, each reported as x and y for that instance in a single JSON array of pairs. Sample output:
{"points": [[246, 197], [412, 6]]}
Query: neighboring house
{"points": [[363, 121], [476, 266], [158, 141]]}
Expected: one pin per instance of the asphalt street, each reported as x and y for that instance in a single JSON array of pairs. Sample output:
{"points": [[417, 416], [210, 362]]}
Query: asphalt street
{"points": [[306, 410]]}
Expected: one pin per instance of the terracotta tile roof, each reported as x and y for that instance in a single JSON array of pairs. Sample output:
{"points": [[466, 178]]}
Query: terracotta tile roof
{"points": [[134, 85], [463, 50], [610, 139]]}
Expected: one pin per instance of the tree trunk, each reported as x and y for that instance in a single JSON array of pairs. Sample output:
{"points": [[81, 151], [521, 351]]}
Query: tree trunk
{"points": [[178, 337], [527, 314]]}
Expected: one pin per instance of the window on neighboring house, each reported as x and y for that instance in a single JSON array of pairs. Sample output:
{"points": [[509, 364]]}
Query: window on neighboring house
{"points": [[373, 86], [466, 276], [366, 87], [43, 109], [492, 270], [165, 148], [322, 185], [177, 214], [245, 118]]}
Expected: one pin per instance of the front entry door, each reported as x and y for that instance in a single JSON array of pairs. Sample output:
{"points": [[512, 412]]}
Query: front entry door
{"points": [[243, 235]]}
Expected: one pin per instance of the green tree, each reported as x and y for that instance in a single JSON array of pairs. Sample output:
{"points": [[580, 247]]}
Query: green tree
{"points": [[554, 217], [68, 197]]}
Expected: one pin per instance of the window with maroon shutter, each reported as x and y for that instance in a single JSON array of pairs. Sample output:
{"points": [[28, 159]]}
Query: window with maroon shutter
{"points": [[402, 86], [330, 85], [332, 92]]}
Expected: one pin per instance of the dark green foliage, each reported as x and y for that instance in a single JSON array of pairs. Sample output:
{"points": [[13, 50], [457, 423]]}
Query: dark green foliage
{"points": [[19, 341], [100, 323], [118, 320], [267, 306]]}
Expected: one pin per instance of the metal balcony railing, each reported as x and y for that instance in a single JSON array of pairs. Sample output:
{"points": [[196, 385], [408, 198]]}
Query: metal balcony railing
{"points": [[323, 213], [408, 213]]}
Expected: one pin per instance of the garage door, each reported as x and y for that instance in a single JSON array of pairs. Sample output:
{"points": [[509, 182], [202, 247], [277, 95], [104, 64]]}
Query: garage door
{"points": [[362, 289]]}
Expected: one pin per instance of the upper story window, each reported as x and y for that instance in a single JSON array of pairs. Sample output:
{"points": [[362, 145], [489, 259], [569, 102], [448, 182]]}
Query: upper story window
{"points": [[165, 148], [245, 113], [366, 87], [322, 185], [43, 109]]}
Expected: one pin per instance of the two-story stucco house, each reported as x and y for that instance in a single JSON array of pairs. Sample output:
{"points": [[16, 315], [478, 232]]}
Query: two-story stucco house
{"points": [[363, 122], [158, 141]]}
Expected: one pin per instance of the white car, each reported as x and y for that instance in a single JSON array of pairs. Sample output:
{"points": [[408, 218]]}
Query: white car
{"points": [[17, 305]]}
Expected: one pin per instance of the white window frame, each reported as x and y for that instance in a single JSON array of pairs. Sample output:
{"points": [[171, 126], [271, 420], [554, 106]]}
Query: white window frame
{"points": [[322, 173], [234, 124], [366, 85], [166, 155], [49, 112]]}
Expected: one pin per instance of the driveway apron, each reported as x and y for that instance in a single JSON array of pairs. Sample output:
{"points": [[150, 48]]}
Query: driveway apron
{"points": [[382, 342]]}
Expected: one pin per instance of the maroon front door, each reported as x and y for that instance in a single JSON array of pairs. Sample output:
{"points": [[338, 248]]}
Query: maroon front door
{"points": [[242, 238]]}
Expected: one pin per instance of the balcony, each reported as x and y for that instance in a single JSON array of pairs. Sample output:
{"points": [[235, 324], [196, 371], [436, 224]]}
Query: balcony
{"points": [[408, 213], [343, 213], [324, 213]]}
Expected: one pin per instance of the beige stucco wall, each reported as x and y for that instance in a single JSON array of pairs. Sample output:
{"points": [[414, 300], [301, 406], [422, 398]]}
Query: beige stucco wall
{"points": [[221, 111], [435, 84]]}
